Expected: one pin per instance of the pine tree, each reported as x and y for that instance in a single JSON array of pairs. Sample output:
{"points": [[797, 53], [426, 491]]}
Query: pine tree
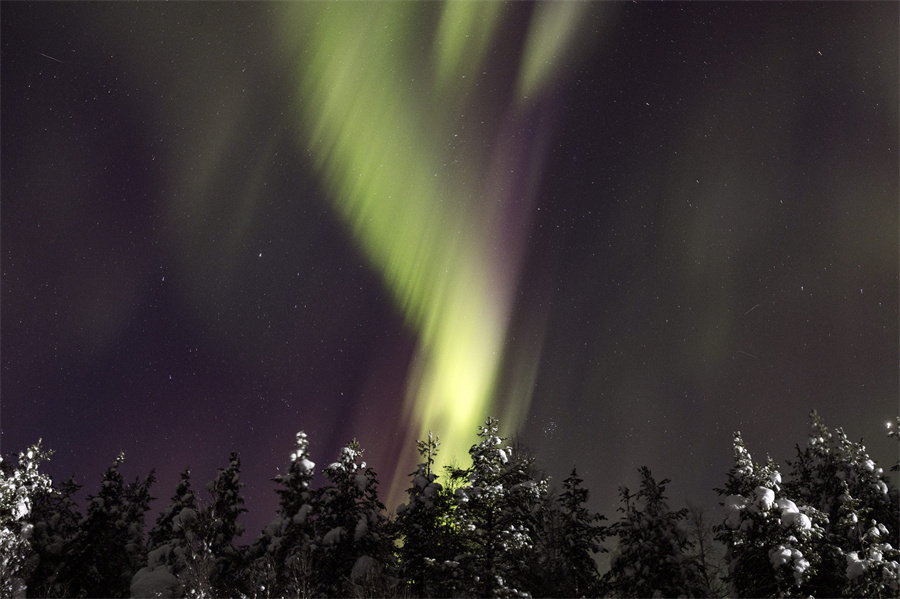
{"points": [[497, 518], [653, 556], [425, 527], [109, 548], [18, 488]]}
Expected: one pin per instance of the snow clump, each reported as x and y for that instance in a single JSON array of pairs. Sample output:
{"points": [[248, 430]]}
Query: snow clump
{"points": [[765, 498], [787, 556], [363, 567], [791, 516]]}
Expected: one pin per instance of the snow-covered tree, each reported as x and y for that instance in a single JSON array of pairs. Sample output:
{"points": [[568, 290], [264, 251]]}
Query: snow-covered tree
{"points": [[860, 531], [653, 556], [426, 529], [173, 561], [832, 466], [193, 551], [497, 518], [18, 488], [281, 554], [352, 552], [109, 548], [56, 518], [840, 541], [296, 493], [774, 547], [170, 523], [568, 538], [582, 535], [219, 527]]}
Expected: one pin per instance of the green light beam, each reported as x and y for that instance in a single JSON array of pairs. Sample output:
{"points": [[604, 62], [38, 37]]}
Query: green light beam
{"points": [[379, 138]]}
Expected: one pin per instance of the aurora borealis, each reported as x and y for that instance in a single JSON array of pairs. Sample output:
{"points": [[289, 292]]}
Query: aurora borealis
{"points": [[625, 230], [433, 217]]}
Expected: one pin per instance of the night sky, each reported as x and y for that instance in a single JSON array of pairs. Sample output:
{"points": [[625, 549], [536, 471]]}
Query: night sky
{"points": [[626, 230]]}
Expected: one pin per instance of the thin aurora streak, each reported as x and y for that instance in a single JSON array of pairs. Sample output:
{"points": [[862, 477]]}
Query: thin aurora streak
{"points": [[448, 241]]}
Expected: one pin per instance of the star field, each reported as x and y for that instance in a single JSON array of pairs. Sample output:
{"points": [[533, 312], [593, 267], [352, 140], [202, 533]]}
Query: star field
{"points": [[625, 230]]}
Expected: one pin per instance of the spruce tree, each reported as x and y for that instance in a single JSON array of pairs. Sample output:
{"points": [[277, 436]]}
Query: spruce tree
{"points": [[497, 518], [281, 554], [773, 547], [582, 535], [831, 465], [653, 555], [840, 541], [170, 523], [219, 527], [55, 517], [173, 543], [193, 551], [109, 548], [425, 527], [860, 532], [352, 552]]}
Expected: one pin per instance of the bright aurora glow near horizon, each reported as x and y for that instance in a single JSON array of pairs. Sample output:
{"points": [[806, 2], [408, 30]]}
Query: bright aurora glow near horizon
{"points": [[626, 230]]}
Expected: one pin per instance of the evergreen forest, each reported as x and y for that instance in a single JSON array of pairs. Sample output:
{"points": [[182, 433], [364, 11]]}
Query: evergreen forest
{"points": [[824, 525]]}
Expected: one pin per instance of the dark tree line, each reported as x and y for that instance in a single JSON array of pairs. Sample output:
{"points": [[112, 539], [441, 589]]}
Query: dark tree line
{"points": [[828, 528]]}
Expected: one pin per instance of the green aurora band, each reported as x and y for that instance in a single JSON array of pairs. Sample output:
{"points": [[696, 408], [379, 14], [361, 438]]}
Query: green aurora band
{"points": [[383, 90]]}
